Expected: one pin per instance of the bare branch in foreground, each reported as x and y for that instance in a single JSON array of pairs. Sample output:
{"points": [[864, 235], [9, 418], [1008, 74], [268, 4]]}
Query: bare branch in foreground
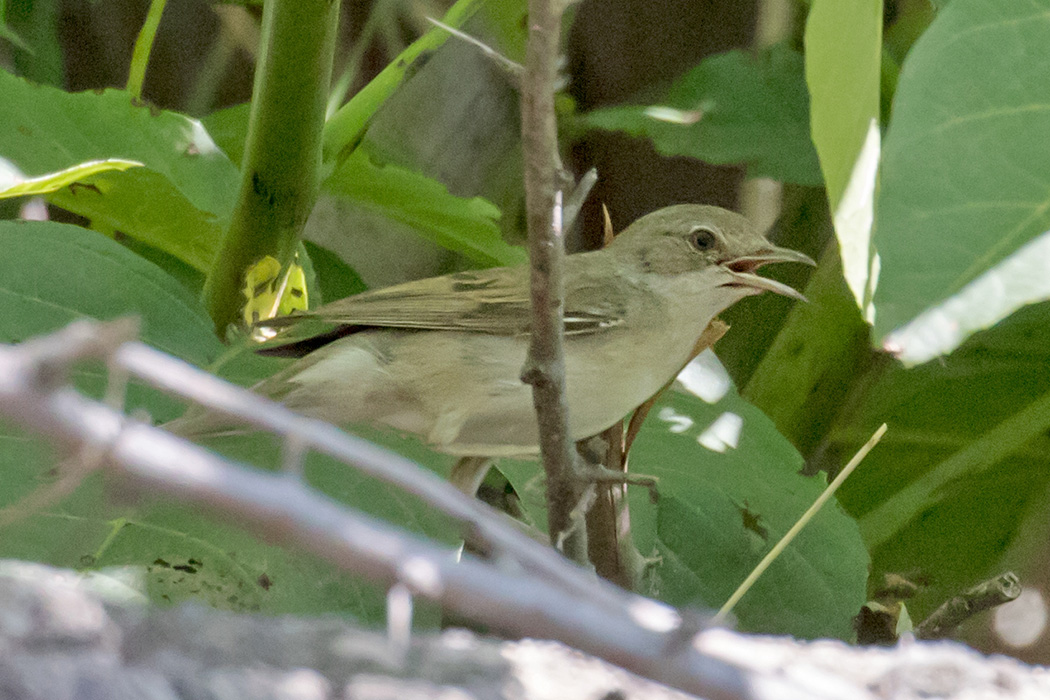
{"points": [[281, 658], [635, 633], [176, 377]]}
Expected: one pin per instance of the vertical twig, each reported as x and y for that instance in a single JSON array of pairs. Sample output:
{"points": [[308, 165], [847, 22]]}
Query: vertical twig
{"points": [[545, 366], [143, 48], [610, 546]]}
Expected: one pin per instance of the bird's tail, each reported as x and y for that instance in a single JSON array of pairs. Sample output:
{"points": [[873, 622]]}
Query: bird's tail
{"points": [[202, 422]]}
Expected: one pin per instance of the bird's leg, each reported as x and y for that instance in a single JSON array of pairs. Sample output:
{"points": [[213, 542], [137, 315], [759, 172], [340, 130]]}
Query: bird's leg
{"points": [[610, 545]]}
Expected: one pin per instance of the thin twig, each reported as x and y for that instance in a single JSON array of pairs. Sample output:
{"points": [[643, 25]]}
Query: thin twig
{"points": [[610, 544], [574, 201], [797, 527], [545, 365], [512, 69]]}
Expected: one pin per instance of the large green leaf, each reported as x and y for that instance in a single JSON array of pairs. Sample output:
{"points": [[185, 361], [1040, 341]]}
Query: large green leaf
{"points": [[53, 273], [809, 366], [843, 65], [467, 226], [731, 108], [721, 512], [960, 483], [178, 202], [729, 488], [964, 182]]}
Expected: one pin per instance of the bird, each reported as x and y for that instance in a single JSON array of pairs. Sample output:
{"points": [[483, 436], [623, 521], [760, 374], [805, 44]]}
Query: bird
{"points": [[442, 357]]}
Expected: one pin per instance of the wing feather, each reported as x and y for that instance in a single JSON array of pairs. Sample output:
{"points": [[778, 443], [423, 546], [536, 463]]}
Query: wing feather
{"points": [[493, 301]]}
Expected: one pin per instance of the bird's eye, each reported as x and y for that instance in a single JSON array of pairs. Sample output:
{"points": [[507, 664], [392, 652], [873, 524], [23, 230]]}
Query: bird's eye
{"points": [[702, 238]]}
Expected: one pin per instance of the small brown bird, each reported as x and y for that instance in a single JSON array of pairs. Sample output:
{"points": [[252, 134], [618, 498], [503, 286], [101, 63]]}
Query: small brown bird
{"points": [[442, 357]]}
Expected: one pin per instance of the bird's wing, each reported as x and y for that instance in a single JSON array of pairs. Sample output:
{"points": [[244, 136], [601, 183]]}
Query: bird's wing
{"points": [[493, 301]]}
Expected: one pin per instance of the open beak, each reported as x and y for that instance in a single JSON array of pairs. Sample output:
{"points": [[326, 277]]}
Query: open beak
{"points": [[743, 270]]}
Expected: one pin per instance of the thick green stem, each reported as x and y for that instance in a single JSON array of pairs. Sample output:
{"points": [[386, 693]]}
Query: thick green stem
{"points": [[280, 174]]}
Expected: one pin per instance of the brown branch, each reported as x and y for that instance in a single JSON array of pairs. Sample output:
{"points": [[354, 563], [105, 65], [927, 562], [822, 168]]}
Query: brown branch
{"points": [[953, 612], [545, 366], [610, 544]]}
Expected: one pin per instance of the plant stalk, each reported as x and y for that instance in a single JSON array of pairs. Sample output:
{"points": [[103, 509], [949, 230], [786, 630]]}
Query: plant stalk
{"points": [[280, 173]]}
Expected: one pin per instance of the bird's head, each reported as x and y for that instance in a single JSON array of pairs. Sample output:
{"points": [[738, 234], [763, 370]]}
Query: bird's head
{"points": [[691, 237]]}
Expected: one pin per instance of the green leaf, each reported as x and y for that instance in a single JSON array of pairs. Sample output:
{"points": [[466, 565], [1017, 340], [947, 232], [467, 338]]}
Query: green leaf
{"points": [[843, 72], [843, 59], [190, 277], [33, 28], [1019, 280], [457, 120], [318, 588], [53, 273], [229, 128], [78, 174], [467, 226], [178, 202], [336, 279], [719, 512], [959, 485], [731, 108], [959, 191], [810, 365], [454, 118]]}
